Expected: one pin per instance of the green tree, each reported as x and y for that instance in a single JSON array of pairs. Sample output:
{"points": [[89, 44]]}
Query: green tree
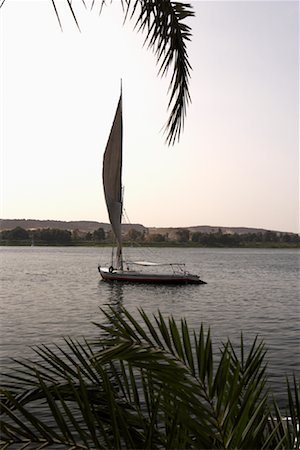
{"points": [[18, 234], [99, 234], [156, 237], [134, 235], [54, 236], [270, 236], [88, 236], [147, 383], [183, 235], [196, 236]]}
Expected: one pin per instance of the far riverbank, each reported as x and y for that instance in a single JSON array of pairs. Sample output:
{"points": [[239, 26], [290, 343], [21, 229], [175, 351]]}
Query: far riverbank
{"points": [[182, 238], [150, 244]]}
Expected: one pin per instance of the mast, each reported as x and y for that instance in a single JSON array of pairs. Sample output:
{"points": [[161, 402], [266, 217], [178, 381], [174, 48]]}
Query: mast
{"points": [[112, 178]]}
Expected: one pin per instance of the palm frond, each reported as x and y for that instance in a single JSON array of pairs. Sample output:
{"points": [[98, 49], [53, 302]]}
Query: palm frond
{"points": [[167, 35], [227, 400], [146, 383], [284, 427], [56, 13], [73, 13]]}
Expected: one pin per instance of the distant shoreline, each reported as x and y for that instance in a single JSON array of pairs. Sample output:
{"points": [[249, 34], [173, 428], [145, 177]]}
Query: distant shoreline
{"points": [[157, 245], [139, 236], [90, 226]]}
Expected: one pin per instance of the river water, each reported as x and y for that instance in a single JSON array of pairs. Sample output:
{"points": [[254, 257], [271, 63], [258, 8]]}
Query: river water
{"points": [[51, 292]]}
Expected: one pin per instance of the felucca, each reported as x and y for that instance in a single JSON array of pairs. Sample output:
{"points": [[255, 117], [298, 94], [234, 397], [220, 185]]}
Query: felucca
{"points": [[119, 269]]}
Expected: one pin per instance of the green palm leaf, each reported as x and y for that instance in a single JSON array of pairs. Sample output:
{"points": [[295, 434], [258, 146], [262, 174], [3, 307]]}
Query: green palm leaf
{"points": [[226, 402], [145, 383], [284, 427]]}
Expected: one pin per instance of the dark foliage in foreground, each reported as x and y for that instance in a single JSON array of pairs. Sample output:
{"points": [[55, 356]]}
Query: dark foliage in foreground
{"points": [[146, 383]]}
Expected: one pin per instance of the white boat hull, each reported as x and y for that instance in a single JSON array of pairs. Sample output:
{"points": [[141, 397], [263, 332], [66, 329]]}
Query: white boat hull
{"points": [[132, 276]]}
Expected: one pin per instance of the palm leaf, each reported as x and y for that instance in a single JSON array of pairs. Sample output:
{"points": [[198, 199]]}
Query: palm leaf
{"points": [[284, 427], [237, 392], [146, 383], [167, 35]]}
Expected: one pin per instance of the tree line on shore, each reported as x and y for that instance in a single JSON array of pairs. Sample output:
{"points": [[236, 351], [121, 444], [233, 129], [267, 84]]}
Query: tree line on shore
{"points": [[182, 236]]}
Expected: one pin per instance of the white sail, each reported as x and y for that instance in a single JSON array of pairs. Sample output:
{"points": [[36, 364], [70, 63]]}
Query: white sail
{"points": [[112, 178]]}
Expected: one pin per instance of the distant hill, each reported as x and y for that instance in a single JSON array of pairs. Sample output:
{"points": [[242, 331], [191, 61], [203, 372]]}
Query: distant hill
{"points": [[81, 225], [90, 226], [210, 229]]}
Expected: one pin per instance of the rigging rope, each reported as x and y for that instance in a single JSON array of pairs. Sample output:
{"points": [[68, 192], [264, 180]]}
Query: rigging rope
{"points": [[146, 250]]}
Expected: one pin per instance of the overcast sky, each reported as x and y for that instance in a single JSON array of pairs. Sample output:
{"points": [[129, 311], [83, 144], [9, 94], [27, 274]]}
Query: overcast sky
{"points": [[237, 163]]}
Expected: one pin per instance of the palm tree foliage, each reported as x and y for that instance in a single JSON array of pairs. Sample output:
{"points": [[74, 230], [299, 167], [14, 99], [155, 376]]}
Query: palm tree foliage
{"points": [[167, 34], [145, 383], [163, 22]]}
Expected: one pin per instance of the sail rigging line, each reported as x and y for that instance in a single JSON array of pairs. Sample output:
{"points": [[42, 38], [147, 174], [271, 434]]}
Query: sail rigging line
{"points": [[125, 215], [146, 250]]}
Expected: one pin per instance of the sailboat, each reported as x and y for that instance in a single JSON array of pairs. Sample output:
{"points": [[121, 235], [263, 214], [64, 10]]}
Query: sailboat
{"points": [[119, 270]]}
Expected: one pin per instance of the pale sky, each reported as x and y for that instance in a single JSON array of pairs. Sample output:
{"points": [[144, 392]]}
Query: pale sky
{"points": [[237, 163]]}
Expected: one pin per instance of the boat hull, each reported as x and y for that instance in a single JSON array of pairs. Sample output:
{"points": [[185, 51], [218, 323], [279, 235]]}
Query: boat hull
{"points": [[131, 276]]}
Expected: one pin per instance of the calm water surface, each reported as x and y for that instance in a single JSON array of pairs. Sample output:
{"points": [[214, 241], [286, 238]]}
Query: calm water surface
{"points": [[50, 292]]}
